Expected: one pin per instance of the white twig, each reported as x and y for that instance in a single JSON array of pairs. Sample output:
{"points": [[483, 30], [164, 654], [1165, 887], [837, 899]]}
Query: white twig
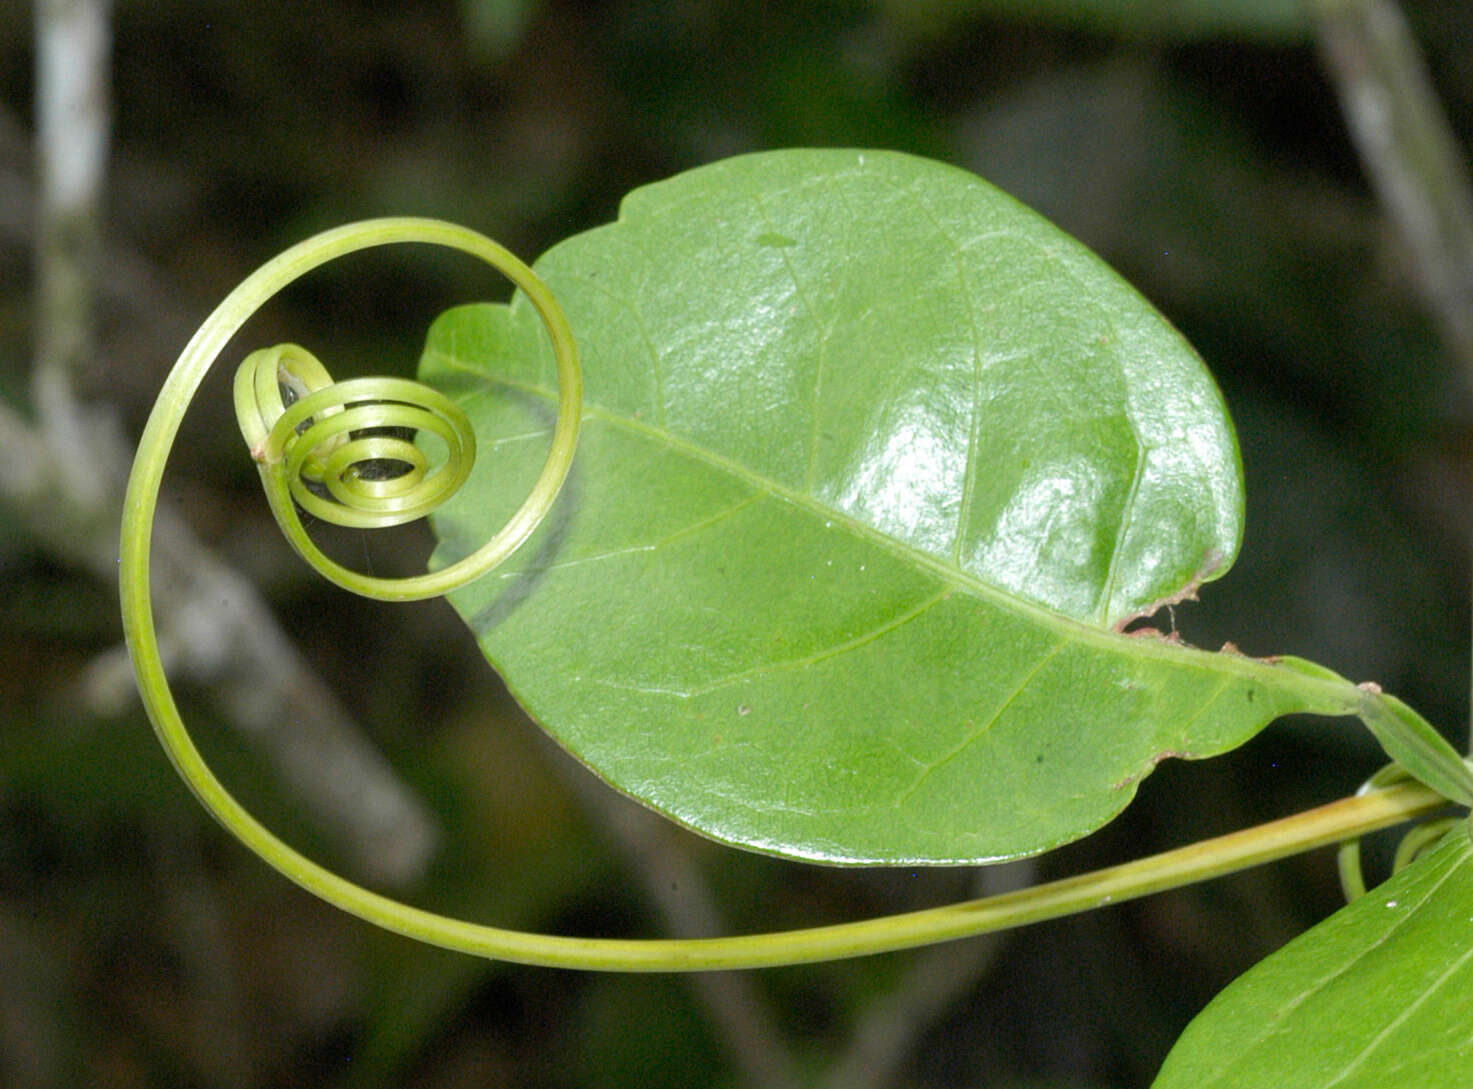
{"points": [[1409, 152], [675, 885], [72, 125], [64, 478], [889, 1030]]}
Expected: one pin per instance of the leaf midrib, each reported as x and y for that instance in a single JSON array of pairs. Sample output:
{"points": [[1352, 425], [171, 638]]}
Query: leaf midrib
{"points": [[958, 578]]}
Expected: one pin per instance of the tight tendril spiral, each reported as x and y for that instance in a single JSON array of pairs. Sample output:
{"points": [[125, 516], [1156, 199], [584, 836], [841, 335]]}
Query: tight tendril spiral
{"points": [[347, 452]]}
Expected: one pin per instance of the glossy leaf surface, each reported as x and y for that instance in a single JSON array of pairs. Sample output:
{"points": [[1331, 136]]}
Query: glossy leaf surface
{"points": [[1378, 995], [875, 461]]}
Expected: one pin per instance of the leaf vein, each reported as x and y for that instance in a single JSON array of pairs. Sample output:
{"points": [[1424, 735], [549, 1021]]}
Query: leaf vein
{"points": [[1127, 519], [1397, 1021], [943, 568], [853, 643], [643, 546], [816, 393], [981, 729]]}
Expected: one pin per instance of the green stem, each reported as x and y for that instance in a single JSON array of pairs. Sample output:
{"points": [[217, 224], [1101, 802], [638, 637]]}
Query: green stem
{"points": [[1344, 819]]}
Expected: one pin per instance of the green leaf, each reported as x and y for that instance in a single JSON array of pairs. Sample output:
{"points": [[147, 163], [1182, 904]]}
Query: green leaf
{"points": [[876, 462], [1378, 995], [1410, 740], [1405, 736]]}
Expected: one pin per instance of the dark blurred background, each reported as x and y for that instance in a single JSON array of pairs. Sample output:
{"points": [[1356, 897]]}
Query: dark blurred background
{"points": [[1200, 147]]}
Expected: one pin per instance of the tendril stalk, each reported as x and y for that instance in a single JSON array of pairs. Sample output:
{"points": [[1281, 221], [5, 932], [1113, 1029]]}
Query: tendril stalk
{"points": [[340, 451], [1413, 844]]}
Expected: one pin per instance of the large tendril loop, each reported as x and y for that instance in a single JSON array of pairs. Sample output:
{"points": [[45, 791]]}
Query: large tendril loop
{"points": [[359, 423]]}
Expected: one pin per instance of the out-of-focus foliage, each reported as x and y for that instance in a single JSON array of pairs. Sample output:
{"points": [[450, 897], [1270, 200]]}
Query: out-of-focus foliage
{"points": [[138, 946], [497, 26], [1156, 20]]}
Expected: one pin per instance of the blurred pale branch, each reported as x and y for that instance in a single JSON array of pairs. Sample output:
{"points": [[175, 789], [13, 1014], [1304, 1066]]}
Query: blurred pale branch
{"points": [[935, 981], [62, 478], [199, 933], [887, 1032], [658, 855], [33, 1004], [1409, 151]]}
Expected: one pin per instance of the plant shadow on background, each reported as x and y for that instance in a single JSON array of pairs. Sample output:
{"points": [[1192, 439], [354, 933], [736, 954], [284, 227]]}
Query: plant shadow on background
{"points": [[1209, 164]]}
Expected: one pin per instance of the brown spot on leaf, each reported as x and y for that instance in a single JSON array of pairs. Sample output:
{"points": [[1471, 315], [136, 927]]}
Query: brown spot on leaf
{"points": [[1131, 780]]}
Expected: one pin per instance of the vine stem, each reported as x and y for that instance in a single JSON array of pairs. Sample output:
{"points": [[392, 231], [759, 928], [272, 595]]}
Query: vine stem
{"points": [[1278, 839], [1328, 824], [1325, 825], [1410, 739]]}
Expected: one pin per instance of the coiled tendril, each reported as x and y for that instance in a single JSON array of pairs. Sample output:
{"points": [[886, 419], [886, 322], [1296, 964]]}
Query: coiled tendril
{"points": [[343, 451]]}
